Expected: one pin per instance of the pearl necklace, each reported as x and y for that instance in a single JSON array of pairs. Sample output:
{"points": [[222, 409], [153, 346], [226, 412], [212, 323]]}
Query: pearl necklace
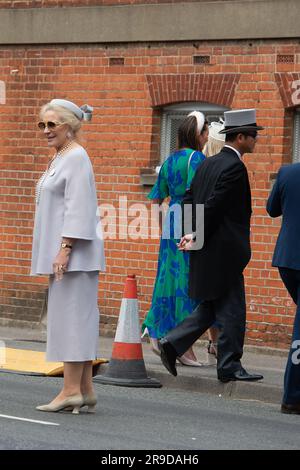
{"points": [[40, 183]]}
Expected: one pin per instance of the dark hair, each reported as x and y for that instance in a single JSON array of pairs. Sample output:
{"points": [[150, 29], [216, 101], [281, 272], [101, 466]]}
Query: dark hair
{"points": [[187, 133], [233, 136]]}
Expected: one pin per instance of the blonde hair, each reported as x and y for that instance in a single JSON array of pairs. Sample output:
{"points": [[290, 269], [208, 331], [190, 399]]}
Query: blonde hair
{"points": [[213, 146], [216, 141], [65, 115]]}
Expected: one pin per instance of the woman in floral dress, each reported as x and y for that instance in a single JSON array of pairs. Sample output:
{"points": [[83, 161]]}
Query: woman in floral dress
{"points": [[171, 303]]}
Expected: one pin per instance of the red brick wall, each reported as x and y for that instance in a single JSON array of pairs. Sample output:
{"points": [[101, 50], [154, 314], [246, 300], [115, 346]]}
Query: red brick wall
{"points": [[122, 138]]}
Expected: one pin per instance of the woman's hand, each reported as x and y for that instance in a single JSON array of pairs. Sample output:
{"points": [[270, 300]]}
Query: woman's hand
{"points": [[61, 262], [186, 242]]}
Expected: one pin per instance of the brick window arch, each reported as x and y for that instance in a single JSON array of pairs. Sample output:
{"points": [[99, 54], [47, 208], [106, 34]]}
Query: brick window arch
{"points": [[201, 87], [289, 88]]}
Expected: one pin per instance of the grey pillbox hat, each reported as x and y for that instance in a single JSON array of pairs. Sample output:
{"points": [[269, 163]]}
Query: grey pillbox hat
{"points": [[83, 113], [70, 106]]}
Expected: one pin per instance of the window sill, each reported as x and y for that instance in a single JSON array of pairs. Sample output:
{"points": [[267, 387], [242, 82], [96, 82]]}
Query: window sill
{"points": [[148, 176]]}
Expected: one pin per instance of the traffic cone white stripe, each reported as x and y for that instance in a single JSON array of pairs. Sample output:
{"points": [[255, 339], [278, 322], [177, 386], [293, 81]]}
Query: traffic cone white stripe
{"points": [[128, 329]]}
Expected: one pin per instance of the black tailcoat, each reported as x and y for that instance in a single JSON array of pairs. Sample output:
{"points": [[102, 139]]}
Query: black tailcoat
{"points": [[221, 183]]}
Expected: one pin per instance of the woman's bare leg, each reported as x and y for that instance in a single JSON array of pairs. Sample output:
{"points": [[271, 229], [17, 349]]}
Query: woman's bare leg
{"points": [[72, 380], [213, 339], [86, 385]]}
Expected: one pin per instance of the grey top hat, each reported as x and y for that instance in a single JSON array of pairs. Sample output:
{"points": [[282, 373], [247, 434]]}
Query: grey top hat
{"points": [[240, 120]]}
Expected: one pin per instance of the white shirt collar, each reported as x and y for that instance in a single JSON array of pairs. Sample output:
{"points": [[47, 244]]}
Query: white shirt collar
{"points": [[235, 150]]}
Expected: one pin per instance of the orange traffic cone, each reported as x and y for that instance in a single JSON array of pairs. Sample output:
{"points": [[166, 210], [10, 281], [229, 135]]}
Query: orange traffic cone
{"points": [[127, 366]]}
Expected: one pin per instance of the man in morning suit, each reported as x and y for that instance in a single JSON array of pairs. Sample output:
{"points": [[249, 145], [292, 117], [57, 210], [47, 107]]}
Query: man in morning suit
{"points": [[285, 200], [216, 270]]}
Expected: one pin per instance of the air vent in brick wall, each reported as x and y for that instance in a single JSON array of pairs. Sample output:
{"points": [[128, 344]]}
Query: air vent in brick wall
{"points": [[201, 59], [285, 58], [116, 61]]}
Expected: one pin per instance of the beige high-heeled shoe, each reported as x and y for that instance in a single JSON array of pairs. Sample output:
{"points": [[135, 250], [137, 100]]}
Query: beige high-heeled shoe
{"points": [[73, 402], [89, 400], [153, 342], [186, 361], [154, 346]]}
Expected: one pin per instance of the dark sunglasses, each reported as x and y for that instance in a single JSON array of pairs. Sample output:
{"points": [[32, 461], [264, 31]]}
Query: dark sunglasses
{"points": [[51, 125]]}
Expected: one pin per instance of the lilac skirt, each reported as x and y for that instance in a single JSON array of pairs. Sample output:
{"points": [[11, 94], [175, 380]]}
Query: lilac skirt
{"points": [[73, 317]]}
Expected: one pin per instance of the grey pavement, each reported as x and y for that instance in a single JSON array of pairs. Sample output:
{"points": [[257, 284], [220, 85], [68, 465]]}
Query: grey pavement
{"points": [[269, 362], [135, 418]]}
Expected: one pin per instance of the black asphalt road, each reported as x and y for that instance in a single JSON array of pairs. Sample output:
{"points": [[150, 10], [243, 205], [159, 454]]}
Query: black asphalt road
{"points": [[133, 418]]}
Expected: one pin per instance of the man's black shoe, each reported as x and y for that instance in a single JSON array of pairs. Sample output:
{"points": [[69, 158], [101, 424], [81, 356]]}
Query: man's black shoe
{"points": [[240, 374], [290, 409], [168, 355]]}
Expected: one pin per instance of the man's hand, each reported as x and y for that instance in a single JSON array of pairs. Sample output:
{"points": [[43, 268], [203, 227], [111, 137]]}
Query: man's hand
{"points": [[186, 242]]}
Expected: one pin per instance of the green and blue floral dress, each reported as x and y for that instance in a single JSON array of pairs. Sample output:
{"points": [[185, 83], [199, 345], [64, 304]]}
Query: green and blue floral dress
{"points": [[171, 303]]}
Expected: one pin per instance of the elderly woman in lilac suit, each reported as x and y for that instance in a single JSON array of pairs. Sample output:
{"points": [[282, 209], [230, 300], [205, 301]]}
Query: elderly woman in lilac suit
{"points": [[67, 249]]}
